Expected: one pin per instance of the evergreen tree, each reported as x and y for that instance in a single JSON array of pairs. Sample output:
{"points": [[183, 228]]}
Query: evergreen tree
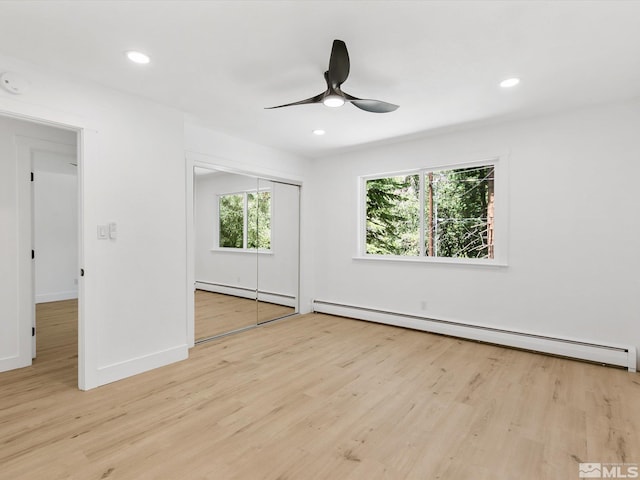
{"points": [[259, 220], [461, 213], [231, 214], [393, 215], [457, 214]]}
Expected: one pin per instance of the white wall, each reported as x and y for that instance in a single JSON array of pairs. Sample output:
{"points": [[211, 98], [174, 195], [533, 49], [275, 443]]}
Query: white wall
{"points": [[573, 229], [133, 300], [277, 270], [55, 208], [210, 146], [572, 224]]}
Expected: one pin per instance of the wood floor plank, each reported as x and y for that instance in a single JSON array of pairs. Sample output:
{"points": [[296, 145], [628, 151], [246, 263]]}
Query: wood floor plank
{"points": [[216, 313], [316, 397]]}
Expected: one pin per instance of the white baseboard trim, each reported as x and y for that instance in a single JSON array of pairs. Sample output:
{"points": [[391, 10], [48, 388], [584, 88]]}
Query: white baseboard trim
{"points": [[619, 355], [269, 297], [144, 363], [56, 296]]}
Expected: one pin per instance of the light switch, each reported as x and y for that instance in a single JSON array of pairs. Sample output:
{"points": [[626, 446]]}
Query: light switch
{"points": [[103, 232], [113, 231]]}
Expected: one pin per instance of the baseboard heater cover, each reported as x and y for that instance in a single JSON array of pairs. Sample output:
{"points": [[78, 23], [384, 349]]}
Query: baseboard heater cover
{"points": [[269, 297], [623, 356]]}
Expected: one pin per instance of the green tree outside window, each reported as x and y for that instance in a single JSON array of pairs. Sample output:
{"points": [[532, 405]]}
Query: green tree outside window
{"points": [[455, 218], [244, 220]]}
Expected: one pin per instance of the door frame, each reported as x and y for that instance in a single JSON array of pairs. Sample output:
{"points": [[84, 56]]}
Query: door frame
{"points": [[61, 120]]}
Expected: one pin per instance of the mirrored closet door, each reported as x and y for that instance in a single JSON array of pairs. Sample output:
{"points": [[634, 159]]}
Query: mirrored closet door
{"points": [[278, 257], [246, 245]]}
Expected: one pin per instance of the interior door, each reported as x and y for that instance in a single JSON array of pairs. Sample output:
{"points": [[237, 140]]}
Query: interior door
{"points": [[16, 295]]}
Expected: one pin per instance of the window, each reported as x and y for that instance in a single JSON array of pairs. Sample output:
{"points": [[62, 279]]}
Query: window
{"points": [[432, 213], [244, 220], [393, 215]]}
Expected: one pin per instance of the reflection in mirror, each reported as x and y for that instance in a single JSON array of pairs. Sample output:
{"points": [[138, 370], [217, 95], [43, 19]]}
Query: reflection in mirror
{"points": [[277, 225], [225, 247]]}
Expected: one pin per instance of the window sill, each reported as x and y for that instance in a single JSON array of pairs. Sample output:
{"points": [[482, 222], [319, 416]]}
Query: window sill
{"points": [[476, 262], [251, 251]]}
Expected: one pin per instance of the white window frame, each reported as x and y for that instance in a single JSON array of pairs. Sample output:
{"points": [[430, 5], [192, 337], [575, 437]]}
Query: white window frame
{"points": [[500, 246], [245, 226]]}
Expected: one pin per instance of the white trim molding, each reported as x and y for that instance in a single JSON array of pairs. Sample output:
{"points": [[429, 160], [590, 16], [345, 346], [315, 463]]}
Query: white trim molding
{"points": [[134, 366], [56, 296]]}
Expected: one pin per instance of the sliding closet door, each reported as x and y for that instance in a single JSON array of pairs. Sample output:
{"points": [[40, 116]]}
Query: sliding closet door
{"points": [[225, 252], [246, 247], [278, 234]]}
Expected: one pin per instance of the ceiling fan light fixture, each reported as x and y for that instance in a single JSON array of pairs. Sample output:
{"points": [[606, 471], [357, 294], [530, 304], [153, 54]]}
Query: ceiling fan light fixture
{"points": [[333, 101], [510, 82], [138, 57]]}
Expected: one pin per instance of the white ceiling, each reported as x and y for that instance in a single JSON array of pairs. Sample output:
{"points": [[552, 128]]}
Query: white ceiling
{"points": [[441, 61]]}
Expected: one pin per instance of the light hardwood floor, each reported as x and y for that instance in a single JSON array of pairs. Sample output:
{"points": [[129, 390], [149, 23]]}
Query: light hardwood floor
{"points": [[216, 313], [317, 397]]}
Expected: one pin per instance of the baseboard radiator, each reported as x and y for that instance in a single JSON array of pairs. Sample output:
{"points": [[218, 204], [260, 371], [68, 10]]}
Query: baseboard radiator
{"points": [[614, 355], [269, 297]]}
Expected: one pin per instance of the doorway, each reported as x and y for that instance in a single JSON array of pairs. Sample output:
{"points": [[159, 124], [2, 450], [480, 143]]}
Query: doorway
{"points": [[39, 244]]}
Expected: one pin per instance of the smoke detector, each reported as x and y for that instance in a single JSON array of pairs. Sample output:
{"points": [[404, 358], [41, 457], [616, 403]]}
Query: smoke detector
{"points": [[14, 83]]}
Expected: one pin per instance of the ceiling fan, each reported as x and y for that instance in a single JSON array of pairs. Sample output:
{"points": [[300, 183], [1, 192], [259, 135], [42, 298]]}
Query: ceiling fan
{"points": [[335, 77]]}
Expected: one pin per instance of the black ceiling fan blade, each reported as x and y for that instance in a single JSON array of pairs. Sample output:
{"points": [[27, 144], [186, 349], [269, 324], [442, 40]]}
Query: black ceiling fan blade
{"points": [[335, 76], [317, 99], [374, 106], [338, 64]]}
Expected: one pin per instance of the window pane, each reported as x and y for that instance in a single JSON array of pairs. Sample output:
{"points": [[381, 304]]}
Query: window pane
{"points": [[230, 212], [459, 212], [393, 216], [259, 220]]}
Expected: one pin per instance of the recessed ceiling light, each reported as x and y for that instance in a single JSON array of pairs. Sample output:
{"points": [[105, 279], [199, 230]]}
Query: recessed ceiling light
{"points": [[509, 82], [319, 132], [138, 57]]}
